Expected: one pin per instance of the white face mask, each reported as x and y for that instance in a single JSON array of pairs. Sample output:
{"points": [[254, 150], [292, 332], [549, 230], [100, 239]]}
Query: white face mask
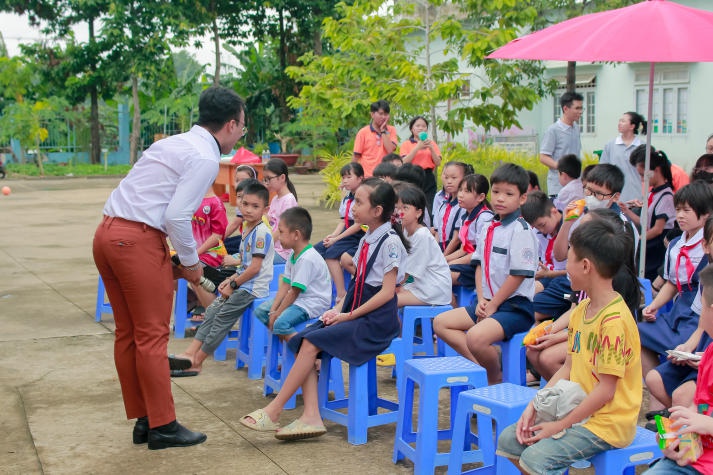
{"points": [[593, 203]]}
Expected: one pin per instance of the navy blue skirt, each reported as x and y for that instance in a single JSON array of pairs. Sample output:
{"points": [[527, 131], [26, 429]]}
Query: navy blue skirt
{"points": [[356, 341], [671, 328], [348, 244]]}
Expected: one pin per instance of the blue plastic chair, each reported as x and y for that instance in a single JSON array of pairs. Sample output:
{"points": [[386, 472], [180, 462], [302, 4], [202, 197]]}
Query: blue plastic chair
{"points": [[642, 451], [431, 374], [514, 359], [362, 403], [102, 306]]}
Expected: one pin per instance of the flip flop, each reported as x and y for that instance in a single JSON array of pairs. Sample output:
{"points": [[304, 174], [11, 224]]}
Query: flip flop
{"points": [[177, 362], [262, 421], [298, 430], [182, 373], [389, 359]]}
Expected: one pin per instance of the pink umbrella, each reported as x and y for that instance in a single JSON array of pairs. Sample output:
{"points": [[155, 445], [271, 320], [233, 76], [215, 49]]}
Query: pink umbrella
{"points": [[653, 31]]}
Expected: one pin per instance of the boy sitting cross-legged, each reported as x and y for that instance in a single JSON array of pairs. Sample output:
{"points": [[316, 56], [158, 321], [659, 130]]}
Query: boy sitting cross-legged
{"points": [[603, 357], [305, 289], [505, 261], [251, 281]]}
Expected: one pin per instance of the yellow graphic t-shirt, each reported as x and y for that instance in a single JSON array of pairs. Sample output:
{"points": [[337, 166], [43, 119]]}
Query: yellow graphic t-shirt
{"points": [[608, 343]]}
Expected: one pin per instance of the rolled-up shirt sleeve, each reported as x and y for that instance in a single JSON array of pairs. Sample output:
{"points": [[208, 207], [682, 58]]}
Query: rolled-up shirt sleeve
{"points": [[191, 188]]}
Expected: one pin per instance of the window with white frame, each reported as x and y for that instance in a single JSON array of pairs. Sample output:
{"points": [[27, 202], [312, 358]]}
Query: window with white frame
{"points": [[670, 100], [586, 86]]}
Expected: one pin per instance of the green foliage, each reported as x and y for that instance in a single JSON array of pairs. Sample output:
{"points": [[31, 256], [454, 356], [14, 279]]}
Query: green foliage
{"points": [[332, 178], [16, 170]]}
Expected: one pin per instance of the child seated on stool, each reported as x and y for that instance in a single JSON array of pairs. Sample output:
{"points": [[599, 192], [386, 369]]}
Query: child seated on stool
{"points": [[305, 288], [237, 292], [697, 417], [603, 357], [505, 263]]}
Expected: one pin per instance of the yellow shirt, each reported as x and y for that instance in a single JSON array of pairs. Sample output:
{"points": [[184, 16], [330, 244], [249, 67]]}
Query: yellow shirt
{"points": [[608, 343]]}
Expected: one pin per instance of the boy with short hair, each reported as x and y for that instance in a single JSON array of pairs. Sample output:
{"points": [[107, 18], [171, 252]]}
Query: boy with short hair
{"points": [[569, 168], [505, 263], [541, 214], [696, 418], [386, 171], [250, 281], [306, 288], [603, 357]]}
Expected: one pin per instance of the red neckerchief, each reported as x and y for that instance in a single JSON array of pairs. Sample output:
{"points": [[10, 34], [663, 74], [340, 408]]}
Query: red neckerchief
{"points": [[486, 252], [360, 276], [444, 227], [477, 211], [549, 262], [690, 268], [346, 211]]}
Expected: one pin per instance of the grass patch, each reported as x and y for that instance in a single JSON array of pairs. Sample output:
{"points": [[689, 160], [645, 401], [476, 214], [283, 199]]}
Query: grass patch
{"points": [[18, 170]]}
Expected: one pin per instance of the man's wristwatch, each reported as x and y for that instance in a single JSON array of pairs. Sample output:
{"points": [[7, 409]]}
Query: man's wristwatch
{"points": [[233, 285]]}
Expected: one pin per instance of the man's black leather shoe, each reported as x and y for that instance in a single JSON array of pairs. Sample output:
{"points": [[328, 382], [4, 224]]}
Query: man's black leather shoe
{"points": [[141, 430], [176, 436]]}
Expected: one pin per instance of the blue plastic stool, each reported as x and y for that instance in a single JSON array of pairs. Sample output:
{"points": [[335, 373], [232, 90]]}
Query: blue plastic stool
{"points": [[102, 305], [231, 340], [181, 317], [362, 403], [279, 362], [646, 290], [499, 403], [514, 360], [431, 374], [643, 450], [464, 296]]}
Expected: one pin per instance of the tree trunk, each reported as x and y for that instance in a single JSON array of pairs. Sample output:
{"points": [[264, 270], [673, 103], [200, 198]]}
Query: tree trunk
{"points": [[317, 40], [136, 123], [96, 147], [216, 43], [571, 76]]}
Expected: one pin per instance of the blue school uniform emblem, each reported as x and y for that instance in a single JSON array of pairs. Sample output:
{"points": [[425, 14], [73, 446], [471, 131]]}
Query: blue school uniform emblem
{"points": [[393, 251], [528, 256]]}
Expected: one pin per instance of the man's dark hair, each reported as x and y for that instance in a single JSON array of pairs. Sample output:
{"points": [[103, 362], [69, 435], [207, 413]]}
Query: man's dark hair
{"points": [[258, 189], [571, 165], [385, 169], [511, 174], [586, 242], [217, 106], [538, 205], [393, 158], [697, 195], [607, 175], [298, 219], [245, 183], [568, 98], [380, 105], [410, 173]]}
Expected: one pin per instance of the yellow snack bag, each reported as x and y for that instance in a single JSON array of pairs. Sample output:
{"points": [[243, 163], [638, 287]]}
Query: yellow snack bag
{"points": [[689, 445], [575, 212], [536, 332]]}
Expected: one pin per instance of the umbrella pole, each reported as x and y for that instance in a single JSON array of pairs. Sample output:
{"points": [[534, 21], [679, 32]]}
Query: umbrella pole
{"points": [[645, 191]]}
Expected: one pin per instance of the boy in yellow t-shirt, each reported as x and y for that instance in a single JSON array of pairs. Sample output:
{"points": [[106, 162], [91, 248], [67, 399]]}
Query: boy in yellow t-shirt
{"points": [[603, 357]]}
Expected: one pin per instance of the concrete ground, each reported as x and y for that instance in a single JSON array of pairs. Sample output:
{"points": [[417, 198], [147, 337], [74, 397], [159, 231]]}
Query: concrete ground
{"points": [[63, 411]]}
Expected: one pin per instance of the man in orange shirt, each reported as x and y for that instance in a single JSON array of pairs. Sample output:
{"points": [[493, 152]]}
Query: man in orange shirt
{"points": [[376, 139]]}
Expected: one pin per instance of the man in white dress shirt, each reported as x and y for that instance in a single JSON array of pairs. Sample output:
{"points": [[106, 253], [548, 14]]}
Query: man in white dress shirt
{"points": [[155, 200]]}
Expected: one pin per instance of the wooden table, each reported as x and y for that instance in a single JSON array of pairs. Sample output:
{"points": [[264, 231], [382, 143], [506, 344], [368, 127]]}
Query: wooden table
{"points": [[225, 181]]}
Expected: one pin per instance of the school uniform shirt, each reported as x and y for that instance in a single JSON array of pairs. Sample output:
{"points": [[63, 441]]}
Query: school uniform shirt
{"points": [[661, 206], [257, 242], [369, 143], [703, 400], [308, 272], [629, 224], [569, 192], [423, 157], [546, 248], [608, 343], [447, 218], [277, 206], [559, 140], [472, 224], [682, 259], [427, 265], [506, 247], [151, 195], [210, 218], [392, 254], [346, 211]]}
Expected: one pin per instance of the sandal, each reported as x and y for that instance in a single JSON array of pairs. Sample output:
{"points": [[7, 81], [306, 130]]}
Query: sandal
{"points": [[298, 430], [262, 421]]}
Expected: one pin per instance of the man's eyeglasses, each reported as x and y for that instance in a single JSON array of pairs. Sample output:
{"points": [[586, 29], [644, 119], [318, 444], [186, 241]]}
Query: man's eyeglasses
{"points": [[598, 195]]}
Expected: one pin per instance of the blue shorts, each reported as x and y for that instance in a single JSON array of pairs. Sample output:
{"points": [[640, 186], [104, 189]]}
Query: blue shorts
{"points": [[552, 301], [666, 466], [285, 323], [514, 315], [552, 455], [467, 275], [674, 375]]}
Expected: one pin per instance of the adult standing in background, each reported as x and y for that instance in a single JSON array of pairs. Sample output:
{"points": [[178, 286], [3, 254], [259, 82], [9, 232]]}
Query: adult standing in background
{"points": [[618, 150], [375, 140], [421, 150], [562, 138], [158, 198]]}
